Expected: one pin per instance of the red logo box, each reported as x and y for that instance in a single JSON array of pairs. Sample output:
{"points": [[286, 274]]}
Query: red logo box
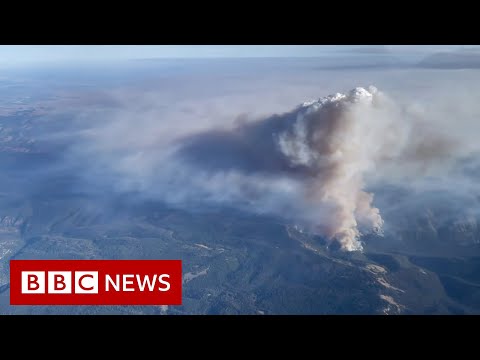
{"points": [[95, 282]]}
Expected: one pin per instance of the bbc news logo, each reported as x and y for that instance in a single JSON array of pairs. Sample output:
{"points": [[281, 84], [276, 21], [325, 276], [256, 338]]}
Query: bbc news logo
{"points": [[95, 282], [60, 282]]}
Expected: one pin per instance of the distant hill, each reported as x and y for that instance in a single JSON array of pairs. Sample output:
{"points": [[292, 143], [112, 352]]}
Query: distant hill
{"points": [[452, 60]]}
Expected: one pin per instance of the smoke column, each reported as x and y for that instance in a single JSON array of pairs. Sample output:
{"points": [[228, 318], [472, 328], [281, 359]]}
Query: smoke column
{"points": [[330, 137]]}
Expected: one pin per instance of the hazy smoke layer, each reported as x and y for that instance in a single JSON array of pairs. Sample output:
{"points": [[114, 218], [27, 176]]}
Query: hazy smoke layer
{"points": [[309, 166]]}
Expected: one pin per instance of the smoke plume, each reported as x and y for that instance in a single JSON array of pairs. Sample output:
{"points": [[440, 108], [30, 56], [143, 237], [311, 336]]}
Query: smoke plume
{"points": [[311, 166], [325, 147], [323, 151]]}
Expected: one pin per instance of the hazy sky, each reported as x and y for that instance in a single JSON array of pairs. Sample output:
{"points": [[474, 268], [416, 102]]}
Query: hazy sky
{"points": [[30, 54]]}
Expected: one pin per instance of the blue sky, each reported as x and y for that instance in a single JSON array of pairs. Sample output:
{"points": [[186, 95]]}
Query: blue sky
{"points": [[30, 54]]}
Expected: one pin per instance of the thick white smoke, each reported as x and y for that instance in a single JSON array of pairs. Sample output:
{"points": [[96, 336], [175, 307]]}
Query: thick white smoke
{"points": [[340, 138]]}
